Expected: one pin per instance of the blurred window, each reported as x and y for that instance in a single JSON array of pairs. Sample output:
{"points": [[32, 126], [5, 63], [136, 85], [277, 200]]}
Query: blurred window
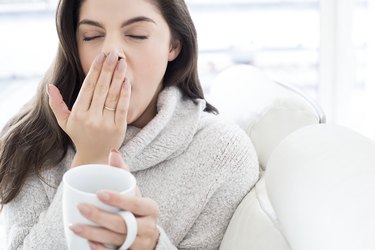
{"points": [[280, 37], [284, 38]]}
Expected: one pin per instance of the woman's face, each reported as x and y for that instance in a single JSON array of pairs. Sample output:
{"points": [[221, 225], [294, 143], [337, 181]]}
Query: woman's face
{"points": [[137, 31]]}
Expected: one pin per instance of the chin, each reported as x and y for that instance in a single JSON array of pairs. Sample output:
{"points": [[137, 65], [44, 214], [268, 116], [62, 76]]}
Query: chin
{"points": [[131, 118]]}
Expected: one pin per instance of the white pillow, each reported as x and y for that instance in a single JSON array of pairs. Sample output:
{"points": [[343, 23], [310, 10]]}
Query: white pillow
{"points": [[266, 110]]}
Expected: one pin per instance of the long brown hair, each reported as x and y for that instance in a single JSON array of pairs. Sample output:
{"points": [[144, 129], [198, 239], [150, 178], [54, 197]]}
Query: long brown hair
{"points": [[32, 140]]}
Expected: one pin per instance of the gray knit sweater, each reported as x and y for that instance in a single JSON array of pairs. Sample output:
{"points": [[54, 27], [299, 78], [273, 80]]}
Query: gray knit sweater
{"points": [[194, 165]]}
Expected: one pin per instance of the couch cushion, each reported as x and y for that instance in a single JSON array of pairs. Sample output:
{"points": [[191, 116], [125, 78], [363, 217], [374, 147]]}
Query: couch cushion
{"points": [[253, 225], [266, 110], [321, 183]]}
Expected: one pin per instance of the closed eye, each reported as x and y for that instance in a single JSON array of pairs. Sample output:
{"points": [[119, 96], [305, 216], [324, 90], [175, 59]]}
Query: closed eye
{"points": [[137, 37], [86, 39]]}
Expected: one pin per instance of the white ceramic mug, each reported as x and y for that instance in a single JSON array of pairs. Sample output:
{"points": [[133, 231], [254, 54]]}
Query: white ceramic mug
{"points": [[80, 186]]}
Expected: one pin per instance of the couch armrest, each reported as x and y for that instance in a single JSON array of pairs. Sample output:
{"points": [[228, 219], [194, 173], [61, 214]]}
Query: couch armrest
{"points": [[321, 184]]}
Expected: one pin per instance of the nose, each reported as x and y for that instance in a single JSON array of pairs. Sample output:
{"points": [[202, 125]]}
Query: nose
{"points": [[113, 44]]}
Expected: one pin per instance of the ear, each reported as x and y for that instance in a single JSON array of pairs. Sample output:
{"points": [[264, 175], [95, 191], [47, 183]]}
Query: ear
{"points": [[174, 50]]}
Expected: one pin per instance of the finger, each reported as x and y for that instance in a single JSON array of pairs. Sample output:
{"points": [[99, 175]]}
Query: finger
{"points": [[145, 242], [103, 83], [97, 246], [98, 234], [137, 205], [115, 87], [110, 221], [123, 105], [146, 226], [116, 160], [88, 86], [58, 106]]}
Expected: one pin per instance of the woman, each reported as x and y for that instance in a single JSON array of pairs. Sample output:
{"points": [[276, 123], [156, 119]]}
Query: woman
{"points": [[125, 85]]}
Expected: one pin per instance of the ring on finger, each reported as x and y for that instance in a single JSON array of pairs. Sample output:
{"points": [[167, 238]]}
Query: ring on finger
{"points": [[109, 108]]}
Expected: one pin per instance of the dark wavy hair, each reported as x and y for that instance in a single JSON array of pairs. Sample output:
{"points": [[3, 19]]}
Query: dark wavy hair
{"points": [[32, 140]]}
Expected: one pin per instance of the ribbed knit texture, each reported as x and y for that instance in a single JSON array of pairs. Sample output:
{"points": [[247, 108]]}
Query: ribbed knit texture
{"points": [[194, 165]]}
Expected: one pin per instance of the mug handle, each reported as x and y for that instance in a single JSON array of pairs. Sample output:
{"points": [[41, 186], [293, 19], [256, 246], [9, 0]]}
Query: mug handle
{"points": [[131, 225]]}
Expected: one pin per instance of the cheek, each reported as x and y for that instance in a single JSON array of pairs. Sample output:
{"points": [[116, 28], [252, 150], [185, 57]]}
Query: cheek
{"points": [[154, 65], [86, 59], [147, 70], [147, 73], [86, 64]]}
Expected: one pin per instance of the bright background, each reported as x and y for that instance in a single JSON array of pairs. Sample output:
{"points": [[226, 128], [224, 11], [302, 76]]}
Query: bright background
{"points": [[326, 48]]}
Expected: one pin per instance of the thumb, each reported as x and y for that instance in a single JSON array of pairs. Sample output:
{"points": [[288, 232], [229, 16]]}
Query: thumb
{"points": [[58, 106], [116, 160]]}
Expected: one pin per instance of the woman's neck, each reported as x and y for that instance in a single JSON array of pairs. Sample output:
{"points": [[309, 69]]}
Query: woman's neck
{"points": [[149, 112]]}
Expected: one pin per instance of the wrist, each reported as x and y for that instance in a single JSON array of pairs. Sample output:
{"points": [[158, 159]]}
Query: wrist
{"points": [[81, 159]]}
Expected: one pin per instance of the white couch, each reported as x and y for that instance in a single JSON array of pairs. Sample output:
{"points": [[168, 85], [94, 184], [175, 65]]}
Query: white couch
{"points": [[317, 189]]}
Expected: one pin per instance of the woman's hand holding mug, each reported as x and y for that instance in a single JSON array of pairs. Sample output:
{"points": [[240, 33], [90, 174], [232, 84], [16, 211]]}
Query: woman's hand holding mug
{"points": [[98, 120], [108, 228]]}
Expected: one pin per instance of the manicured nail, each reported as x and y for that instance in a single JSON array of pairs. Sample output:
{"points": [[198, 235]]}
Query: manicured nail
{"points": [[85, 209], [92, 245], [48, 89], [112, 58], [76, 228], [121, 65], [126, 84], [100, 59], [103, 195], [113, 150]]}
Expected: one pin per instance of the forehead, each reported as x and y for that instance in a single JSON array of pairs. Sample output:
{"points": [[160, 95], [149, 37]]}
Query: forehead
{"points": [[118, 9]]}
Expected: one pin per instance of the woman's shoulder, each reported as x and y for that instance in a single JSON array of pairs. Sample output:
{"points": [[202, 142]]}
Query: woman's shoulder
{"points": [[216, 127], [226, 148], [224, 136]]}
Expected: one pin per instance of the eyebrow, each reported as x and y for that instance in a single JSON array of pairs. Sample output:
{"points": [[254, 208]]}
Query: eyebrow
{"points": [[126, 23]]}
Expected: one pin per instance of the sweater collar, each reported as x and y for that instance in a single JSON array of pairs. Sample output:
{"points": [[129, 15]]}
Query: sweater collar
{"points": [[167, 135]]}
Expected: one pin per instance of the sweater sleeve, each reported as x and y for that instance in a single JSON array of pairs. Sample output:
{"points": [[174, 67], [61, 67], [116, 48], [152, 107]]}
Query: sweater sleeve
{"points": [[164, 243], [238, 171], [32, 221]]}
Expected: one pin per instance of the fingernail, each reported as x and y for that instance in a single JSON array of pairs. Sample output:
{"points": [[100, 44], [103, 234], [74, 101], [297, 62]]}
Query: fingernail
{"points": [[121, 65], [125, 83], [103, 195], [112, 58], [100, 59], [48, 89], [92, 245], [113, 150], [84, 209], [76, 228]]}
